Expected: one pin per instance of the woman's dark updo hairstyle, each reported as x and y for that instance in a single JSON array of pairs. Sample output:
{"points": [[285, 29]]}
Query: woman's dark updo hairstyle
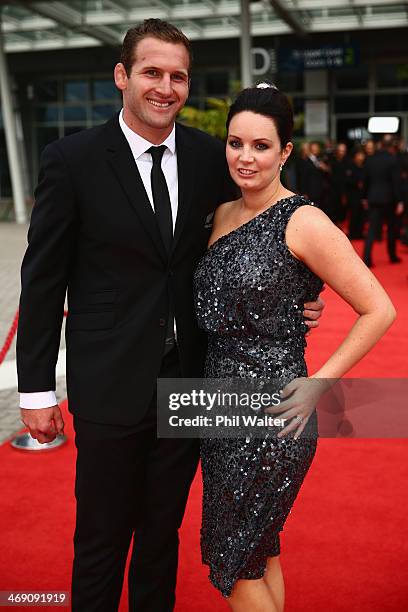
{"points": [[265, 99]]}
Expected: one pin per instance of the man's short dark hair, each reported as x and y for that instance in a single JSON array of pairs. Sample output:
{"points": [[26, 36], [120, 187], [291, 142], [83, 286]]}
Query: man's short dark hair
{"points": [[154, 28]]}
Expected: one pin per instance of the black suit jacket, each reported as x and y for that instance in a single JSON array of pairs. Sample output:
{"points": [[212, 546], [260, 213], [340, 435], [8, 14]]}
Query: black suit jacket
{"points": [[381, 179], [338, 184], [93, 233], [302, 168], [313, 181]]}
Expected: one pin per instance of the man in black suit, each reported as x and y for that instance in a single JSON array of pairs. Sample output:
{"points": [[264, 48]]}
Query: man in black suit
{"points": [[382, 198], [315, 178], [339, 165], [120, 221]]}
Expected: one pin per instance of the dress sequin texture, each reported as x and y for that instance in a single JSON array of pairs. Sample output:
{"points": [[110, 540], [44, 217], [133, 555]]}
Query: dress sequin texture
{"points": [[249, 296]]}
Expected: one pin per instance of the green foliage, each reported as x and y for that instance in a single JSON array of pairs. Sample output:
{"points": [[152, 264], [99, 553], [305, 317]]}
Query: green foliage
{"points": [[211, 120], [402, 72]]}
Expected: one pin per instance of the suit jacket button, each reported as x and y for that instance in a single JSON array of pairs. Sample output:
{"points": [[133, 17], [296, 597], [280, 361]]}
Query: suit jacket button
{"points": [[162, 322]]}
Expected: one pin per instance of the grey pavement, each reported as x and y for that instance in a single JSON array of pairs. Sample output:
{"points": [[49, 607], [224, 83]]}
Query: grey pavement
{"points": [[13, 241], [12, 245]]}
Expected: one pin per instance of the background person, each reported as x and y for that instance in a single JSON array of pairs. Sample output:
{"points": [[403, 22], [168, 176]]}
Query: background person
{"points": [[339, 165], [355, 193], [302, 167], [316, 178], [383, 198], [369, 147]]}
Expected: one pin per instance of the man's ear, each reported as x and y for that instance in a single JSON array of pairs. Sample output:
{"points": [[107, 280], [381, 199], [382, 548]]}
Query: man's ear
{"points": [[120, 76]]}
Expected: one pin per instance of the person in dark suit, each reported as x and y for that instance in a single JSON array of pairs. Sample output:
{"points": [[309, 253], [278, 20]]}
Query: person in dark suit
{"points": [[302, 166], [355, 186], [339, 165], [315, 178], [403, 166], [120, 221], [382, 197]]}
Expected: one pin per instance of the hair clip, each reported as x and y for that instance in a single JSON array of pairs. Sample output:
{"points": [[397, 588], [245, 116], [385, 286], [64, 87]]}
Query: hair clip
{"points": [[266, 85]]}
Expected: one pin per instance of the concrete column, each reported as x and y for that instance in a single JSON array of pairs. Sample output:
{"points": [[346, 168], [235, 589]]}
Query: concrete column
{"points": [[9, 122], [246, 54], [317, 104]]}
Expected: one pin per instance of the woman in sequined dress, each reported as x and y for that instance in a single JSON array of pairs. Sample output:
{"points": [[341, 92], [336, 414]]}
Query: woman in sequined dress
{"points": [[270, 251]]}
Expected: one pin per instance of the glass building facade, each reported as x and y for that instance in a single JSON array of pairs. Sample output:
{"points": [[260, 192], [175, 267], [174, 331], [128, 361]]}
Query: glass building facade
{"points": [[58, 93]]}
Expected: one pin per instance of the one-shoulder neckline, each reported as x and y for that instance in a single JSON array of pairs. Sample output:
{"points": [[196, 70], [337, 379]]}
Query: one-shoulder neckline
{"points": [[269, 209]]}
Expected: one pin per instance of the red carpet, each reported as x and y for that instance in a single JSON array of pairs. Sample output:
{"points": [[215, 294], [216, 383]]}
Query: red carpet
{"points": [[344, 547]]}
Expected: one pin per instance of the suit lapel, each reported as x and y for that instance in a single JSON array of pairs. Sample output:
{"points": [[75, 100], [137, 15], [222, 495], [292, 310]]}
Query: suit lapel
{"points": [[124, 167], [185, 172]]}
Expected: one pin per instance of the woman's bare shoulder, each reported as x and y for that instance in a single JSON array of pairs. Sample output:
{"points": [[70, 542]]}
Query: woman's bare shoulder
{"points": [[310, 231], [225, 208], [222, 212], [310, 217]]}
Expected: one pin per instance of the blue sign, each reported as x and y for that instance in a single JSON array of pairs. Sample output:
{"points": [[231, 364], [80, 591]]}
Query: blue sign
{"points": [[317, 58]]}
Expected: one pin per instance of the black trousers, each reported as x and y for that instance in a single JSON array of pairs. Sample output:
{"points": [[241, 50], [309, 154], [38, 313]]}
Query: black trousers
{"points": [[357, 213], [129, 484], [377, 214], [336, 209]]}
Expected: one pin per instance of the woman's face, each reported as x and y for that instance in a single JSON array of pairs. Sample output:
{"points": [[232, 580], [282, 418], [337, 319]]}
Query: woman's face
{"points": [[254, 151]]}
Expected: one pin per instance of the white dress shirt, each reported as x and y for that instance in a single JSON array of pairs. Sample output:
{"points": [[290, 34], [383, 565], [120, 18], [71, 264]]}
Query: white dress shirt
{"points": [[144, 163], [314, 160]]}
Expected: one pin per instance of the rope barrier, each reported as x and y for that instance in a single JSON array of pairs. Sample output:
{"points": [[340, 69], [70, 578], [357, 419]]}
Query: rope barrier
{"points": [[10, 337]]}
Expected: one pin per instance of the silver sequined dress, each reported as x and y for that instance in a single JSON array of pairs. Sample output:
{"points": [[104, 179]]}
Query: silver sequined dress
{"points": [[249, 296]]}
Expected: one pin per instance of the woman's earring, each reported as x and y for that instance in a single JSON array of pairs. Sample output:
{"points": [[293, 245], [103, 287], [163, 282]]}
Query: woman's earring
{"points": [[281, 167]]}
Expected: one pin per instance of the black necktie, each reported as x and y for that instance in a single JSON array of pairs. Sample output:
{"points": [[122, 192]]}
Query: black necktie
{"points": [[161, 198], [162, 208]]}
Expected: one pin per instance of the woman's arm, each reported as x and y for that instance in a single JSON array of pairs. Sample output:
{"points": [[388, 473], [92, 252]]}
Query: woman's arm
{"points": [[315, 240], [323, 247]]}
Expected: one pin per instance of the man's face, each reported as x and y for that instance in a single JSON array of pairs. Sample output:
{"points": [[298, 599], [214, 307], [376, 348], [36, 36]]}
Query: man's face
{"points": [[359, 158], [157, 87], [315, 149], [370, 147], [341, 151]]}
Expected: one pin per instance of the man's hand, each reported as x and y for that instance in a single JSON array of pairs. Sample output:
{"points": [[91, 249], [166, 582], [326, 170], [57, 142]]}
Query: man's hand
{"points": [[44, 423], [313, 312]]}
